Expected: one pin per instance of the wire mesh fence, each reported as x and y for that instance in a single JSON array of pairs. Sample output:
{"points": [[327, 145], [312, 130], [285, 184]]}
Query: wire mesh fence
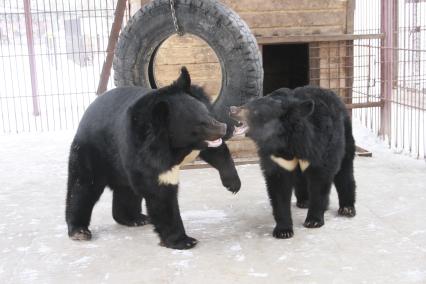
{"points": [[396, 72], [51, 54], [52, 51]]}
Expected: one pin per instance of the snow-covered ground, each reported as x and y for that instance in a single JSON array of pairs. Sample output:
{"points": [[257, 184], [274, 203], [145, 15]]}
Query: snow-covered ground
{"points": [[384, 243]]}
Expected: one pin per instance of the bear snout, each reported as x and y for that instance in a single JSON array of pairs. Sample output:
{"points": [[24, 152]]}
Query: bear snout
{"points": [[221, 128], [234, 110], [216, 130], [238, 113]]}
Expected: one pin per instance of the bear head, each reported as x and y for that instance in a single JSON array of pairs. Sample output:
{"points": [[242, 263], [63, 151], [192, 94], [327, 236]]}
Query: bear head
{"points": [[181, 116], [278, 118]]}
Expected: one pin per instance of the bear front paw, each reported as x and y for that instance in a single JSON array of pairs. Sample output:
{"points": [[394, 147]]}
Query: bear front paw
{"points": [[184, 243], [283, 233], [231, 183], [302, 204], [80, 234], [136, 222], [347, 211], [313, 222]]}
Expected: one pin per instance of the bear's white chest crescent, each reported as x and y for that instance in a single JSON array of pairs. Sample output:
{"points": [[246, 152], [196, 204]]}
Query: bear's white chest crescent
{"points": [[303, 165], [171, 177], [290, 165]]}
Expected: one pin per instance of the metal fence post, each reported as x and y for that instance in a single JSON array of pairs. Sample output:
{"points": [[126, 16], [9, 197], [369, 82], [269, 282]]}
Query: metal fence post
{"points": [[387, 67], [31, 55]]}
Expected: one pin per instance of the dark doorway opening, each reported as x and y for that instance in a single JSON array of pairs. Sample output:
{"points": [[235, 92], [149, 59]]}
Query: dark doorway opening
{"points": [[285, 65]]}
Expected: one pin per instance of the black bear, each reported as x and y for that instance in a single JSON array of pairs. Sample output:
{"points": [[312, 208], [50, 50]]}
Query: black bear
{"points": [[304, 139], [133, 140]]}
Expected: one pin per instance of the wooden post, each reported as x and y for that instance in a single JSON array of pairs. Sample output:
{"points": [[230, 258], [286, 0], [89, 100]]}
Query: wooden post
{"points": [[115, 31]]}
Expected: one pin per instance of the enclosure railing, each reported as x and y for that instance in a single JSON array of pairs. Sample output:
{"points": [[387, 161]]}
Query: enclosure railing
{"points": [[396, 71], [52, 52], [51, 55]]}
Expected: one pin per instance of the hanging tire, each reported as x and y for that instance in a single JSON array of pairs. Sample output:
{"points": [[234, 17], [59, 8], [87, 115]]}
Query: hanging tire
{"points": [[223, 30]]}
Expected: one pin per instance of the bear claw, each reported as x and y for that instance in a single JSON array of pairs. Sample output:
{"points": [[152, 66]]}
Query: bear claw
{"points": [[347, 211], [302, 204], [312, 223], [137, 222], [81, 234], [283, 233], [232, 184], [185, 243]]}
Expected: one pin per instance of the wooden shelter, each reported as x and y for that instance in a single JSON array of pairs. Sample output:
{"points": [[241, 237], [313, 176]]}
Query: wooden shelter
{"points": [[302, 42]]}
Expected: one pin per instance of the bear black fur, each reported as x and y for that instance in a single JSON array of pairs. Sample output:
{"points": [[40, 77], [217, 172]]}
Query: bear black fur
{"points": [[304, 139], [132, 140]]}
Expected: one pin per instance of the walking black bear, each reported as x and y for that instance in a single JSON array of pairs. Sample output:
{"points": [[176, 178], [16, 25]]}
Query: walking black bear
{"points": [[304, 139], [134, 140]]}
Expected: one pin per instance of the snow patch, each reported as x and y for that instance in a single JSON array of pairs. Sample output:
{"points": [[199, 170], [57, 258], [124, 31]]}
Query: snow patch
{"points": [[182, 263], [204, 217], [240, 257], [29, 275], [83, 261], [255, 274], [282, 258], [183, 253], [44, 249], [418, 232], [415, 275], [23, 249], [236, 247]]}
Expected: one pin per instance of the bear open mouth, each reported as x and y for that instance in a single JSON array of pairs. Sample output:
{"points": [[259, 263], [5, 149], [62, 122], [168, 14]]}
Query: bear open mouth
{"points": [[241, 128], [214, 143]]}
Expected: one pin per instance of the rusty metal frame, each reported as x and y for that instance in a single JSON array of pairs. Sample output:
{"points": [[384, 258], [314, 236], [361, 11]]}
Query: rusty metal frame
{"points": [[112, 41], [31, 56], [388, 8]]}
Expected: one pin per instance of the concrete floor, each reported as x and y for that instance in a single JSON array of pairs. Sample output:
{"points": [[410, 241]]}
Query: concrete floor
{"points": [[384, 243]]}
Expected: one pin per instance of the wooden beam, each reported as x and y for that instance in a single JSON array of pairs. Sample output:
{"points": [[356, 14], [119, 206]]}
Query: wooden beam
{"points": [[113, 37], [361, 152], [365, 105], [315, 38]]}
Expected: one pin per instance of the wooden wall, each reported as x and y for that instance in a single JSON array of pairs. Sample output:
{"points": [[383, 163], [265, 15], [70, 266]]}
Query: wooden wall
{"points": [[292, 17], [288, 17], [266, 18], [329, 61]]}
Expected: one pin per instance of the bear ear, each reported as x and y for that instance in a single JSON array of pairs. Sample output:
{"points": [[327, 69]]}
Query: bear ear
{"points": [[160, 114], [184, 80], [306, 107]]}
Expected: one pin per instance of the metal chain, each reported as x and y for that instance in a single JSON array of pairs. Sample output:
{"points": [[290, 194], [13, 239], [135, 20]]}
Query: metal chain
{"points": [[179, 31]]}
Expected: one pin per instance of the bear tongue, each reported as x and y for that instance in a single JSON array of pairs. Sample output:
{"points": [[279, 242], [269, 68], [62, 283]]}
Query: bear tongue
{"points": [[240, 130], [215, 143]]}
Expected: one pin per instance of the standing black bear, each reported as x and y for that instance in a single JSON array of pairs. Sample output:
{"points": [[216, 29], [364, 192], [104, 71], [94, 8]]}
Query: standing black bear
{"points": [[134, 140], [304, 139]]}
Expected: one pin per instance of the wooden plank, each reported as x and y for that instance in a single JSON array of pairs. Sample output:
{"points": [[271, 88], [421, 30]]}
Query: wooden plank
{"points": [[198, 164], [290, 19], [198, 72], [362, 152], [194, 53], [365, 105], [350, 14], [261, 33], [186, 55], [314, 38], [283, 5]]}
